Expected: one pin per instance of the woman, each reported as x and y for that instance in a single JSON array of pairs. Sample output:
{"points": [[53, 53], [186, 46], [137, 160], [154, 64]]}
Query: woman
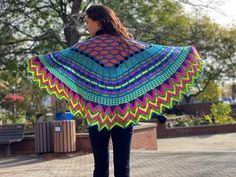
{"points": [[102, 20], [113, 82]]}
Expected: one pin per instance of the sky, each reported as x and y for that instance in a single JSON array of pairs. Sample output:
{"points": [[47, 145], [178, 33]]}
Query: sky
{"points": [[227, 7]]}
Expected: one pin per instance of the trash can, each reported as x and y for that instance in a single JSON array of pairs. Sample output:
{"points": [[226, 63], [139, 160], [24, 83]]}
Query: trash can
{"points": [[64, 136], [43, 137], [64, 116]]}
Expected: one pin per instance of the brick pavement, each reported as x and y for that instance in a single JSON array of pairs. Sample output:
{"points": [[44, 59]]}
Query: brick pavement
{"points": [[143, 164], [184, 161]]}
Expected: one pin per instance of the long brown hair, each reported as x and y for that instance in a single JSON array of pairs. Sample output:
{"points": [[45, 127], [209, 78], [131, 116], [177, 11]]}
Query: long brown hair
{"points": [[108, 20]]}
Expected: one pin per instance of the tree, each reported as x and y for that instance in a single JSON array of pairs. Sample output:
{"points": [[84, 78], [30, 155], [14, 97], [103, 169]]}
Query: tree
{"points": [[210, 94], [165, 22], [39, 26], [29, 28], [33, 27]]}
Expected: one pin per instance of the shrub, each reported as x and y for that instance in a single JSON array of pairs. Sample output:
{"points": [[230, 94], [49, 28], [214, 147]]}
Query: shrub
{"points": [[220, 114]]}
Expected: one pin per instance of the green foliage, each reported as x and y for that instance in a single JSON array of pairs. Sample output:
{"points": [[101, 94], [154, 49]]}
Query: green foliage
{"points": [[205, 120], [210, 94], [37, 27], [10, 118], [81, 125], [191, 121], [157, 21], [220, 113], [183, 122], [165, 22], [15, 82]]}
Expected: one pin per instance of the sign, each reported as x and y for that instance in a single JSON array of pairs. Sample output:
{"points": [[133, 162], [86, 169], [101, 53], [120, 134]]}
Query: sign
{"points": [[58, 128]]}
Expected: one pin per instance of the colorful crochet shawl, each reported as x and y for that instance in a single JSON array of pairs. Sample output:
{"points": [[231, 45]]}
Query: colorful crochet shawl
{"points": [[110, 82]]}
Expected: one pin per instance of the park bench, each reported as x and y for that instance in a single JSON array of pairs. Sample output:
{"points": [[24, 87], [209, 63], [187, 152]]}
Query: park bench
{"points": [[11, 133]]}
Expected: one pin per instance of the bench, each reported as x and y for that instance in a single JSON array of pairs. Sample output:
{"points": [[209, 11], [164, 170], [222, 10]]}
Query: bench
{"points": [[11, 133]]}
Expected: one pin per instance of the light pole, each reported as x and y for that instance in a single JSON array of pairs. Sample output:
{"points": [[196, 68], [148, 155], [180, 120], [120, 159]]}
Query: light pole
{"points": [[14, 92]]}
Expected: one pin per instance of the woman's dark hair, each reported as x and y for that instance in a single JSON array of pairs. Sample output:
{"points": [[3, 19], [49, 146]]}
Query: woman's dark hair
{"points": [[108, 20]]}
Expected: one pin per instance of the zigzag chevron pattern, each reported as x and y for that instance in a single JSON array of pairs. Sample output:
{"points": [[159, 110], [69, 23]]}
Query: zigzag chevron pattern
{"points": [[141, 108]]}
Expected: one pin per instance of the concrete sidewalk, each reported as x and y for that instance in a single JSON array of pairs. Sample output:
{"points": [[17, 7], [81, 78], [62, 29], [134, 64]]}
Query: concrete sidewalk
{"points": [[203, 156], [204, 143]]}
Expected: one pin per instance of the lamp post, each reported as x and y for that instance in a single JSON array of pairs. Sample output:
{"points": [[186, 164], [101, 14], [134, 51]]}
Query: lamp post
{"points": [[14, 105], [14, 92]]}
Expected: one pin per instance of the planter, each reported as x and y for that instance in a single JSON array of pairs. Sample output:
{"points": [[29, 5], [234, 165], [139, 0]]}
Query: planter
{"points": [[164, 132]]}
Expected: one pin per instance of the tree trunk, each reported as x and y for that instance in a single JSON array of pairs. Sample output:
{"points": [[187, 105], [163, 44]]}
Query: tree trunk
{"points": [[187, 98], [71, 33]]}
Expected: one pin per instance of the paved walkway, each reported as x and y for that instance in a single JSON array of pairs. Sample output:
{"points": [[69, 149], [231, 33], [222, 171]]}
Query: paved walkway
{"points": [[202, 156]]}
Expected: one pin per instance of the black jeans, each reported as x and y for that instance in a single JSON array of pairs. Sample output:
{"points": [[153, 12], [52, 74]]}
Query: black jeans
{"points": [[121, 140]]}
